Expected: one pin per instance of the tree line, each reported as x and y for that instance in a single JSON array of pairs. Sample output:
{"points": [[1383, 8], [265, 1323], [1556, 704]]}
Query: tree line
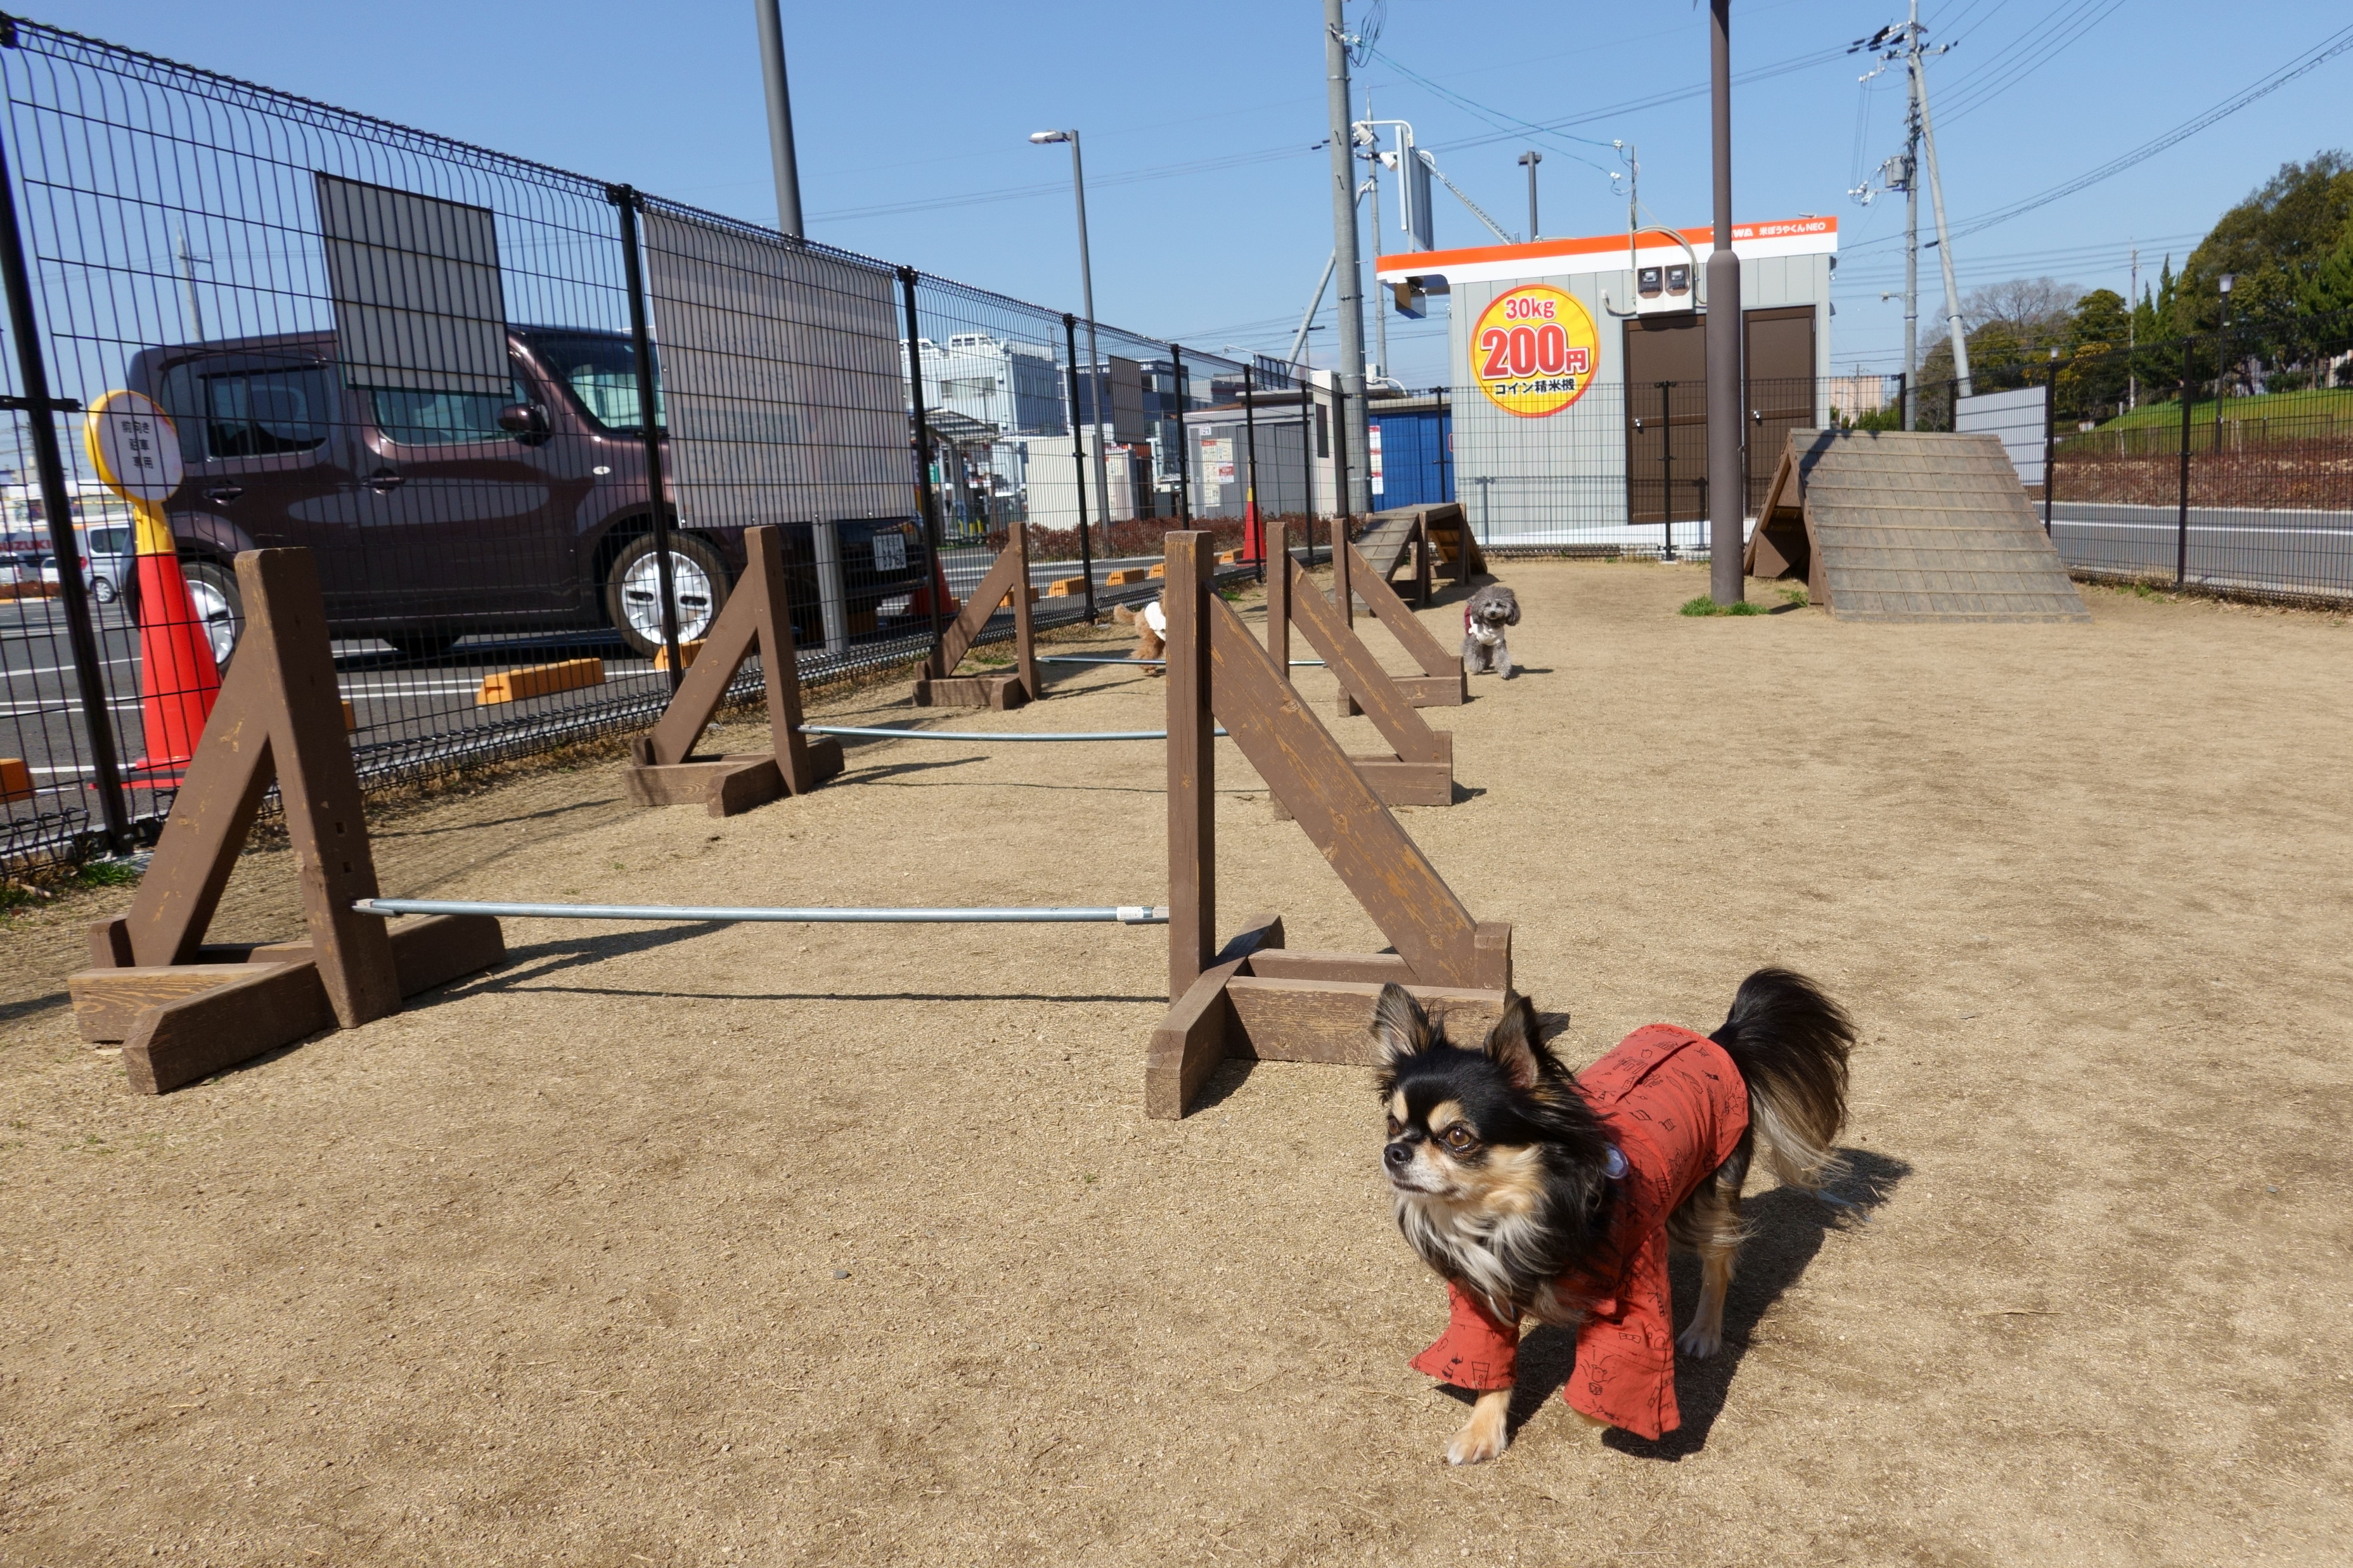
{"points": [[2288, 250]]}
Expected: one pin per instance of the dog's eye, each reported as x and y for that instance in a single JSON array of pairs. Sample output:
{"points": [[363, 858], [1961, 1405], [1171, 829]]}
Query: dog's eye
{"points": [[1459, 1138], [1395, 1126]]}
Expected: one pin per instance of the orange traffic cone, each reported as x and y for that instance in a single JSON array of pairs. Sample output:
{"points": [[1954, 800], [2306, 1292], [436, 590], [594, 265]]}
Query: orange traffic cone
{"points": [[136, 453], [178, 679], [1253, 530]]}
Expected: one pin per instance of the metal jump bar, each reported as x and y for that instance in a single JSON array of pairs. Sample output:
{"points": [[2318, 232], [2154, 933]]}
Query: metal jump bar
{"points": [[1124, 914], [990, 734], [1089, 658]]}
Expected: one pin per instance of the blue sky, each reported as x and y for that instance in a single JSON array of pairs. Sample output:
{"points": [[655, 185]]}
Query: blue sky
{"points": [[1209, 217]]}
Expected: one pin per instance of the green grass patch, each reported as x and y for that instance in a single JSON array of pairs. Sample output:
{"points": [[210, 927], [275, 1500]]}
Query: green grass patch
{"points": [[33, 889], [2306, 402], [1703, 605]]}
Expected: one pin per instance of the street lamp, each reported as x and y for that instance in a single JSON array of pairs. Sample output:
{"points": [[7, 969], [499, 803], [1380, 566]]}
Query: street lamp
{"points": [[2221, 356], [1529, 160], [1087, 301], [1726, 503]]}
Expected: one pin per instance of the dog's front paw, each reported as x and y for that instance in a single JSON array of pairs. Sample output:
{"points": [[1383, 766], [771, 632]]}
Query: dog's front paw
{"points": [[1700, 1343], [1485, 1436]]}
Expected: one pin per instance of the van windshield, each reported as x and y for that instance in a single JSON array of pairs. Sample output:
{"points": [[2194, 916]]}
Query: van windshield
{"points": [[600, 371]]}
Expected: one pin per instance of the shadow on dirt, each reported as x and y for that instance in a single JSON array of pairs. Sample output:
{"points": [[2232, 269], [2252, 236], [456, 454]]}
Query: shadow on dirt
{"points": [[1788, 1227]]}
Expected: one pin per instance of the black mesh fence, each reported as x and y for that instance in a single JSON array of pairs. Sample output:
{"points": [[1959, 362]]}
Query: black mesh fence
{"points": [[519, 417], [2221, 463]]}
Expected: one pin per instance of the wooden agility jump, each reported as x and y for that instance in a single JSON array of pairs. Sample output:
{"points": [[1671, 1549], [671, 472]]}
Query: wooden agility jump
{"points": [[757, 619], [1421, 771], [1441, 683], [1251, 995], [940, 686], [185, 1008]]}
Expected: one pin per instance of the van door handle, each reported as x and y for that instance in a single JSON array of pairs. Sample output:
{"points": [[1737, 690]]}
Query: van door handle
{"points": [[383, 481], [224, 493]]}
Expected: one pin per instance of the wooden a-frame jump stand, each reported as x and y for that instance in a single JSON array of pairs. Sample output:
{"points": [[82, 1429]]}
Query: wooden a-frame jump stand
{"points": [[1422, 771], [1441, 683], [1252, 996], [757, 619], [940, 686], [185, 1009]]}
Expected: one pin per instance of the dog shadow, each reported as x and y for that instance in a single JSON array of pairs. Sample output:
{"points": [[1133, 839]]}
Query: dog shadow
{"points": [[1786, 1228]]}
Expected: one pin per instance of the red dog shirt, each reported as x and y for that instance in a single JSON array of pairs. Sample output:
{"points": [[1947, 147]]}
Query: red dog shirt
{"points": [[1676, 1107]]}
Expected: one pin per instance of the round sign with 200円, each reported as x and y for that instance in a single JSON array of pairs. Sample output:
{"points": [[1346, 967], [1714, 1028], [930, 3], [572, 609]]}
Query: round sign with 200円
{"points": [[1534, 351]]}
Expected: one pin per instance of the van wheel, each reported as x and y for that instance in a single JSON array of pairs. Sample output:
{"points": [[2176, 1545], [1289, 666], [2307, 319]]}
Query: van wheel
{"points": [[633, 591], [220, 608]]}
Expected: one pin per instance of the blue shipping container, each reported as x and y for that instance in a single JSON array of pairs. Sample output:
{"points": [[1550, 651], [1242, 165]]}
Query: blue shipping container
{"points": [[1417, 452]]}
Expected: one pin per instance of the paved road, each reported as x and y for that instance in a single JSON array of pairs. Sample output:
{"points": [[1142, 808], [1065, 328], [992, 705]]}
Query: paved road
{"points": [[2307, 552]]}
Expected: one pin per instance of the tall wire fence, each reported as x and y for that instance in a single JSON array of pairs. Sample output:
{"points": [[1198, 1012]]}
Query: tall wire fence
{"points": [[519, 416], [2220, 462]]}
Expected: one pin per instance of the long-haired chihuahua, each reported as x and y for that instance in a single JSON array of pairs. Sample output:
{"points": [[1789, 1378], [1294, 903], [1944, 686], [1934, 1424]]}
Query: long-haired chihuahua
{"points": [[1536, 1193]]}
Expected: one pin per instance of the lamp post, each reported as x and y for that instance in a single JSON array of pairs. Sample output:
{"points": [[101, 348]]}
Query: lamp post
{"points": [[780, 117], [1728, 497], [1528, 161], [1087, 300], [2221, 356]]}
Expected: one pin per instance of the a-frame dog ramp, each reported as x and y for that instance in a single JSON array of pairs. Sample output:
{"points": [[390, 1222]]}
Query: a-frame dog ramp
{"points": [[1909, 526], [1252, 996]]}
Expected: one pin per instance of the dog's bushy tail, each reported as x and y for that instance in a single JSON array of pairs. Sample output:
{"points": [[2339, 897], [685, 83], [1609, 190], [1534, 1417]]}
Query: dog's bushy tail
{"points": [[1791, 1043]]}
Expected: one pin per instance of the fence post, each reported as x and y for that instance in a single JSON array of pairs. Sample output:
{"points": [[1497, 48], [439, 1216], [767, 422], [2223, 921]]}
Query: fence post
{"points": [[1250, 469], [1903, 399], [40, 411], [1079, 457], [657, 493], [2050, 439], [2181, 545], [923, 436], [1667, 462], [1183, 444], [1307, 460], [1341, 494]]}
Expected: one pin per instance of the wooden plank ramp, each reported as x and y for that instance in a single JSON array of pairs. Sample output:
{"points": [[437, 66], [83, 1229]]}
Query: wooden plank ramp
{"points": [[1912, 526]]}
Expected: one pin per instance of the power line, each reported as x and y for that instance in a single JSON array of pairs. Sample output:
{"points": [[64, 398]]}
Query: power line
{"points": [[2310, 60]]}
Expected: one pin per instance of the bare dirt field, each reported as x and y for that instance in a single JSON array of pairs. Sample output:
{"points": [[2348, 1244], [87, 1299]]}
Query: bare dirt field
{"points": [[771, 1245]]}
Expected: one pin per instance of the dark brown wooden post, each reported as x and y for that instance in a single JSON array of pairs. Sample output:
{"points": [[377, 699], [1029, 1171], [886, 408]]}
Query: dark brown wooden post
{"points": [[1192, 783], [1278, 594]]}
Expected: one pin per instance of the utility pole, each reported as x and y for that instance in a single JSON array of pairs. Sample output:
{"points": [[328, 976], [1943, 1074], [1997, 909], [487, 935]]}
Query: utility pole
{"points": [[1727, 496], [780, 119], [1529, 160], [2132, 336], [1911, 264], [1936, 198], [1373, 188], [1348, 375]]}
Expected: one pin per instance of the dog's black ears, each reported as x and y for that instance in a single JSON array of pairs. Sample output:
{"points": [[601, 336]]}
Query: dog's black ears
{"points": [[1399, 1025], [1517, 1042]]}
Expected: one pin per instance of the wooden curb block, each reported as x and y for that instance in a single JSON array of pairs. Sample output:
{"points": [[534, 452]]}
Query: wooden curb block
{"points": [[15, 779], [1128, 576], [999, 693], [109, 1000], [1066, 587], [268, 1006], [539, 680], [686, 652]]}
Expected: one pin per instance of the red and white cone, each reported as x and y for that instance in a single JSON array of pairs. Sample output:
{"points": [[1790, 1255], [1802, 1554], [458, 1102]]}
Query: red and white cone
{"points": [[178, 679]]}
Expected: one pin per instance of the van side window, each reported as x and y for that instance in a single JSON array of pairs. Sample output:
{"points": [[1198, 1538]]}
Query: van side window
{"points": [[445, 418], [264, 413]]}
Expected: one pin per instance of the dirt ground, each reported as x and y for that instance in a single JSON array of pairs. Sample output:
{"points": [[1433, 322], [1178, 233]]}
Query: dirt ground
{"points": [[767, 1245]]}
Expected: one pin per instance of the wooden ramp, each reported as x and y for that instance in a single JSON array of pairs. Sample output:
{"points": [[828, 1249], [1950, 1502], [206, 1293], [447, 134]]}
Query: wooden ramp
{"points": [[1909, 526], [1429, 539]]}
